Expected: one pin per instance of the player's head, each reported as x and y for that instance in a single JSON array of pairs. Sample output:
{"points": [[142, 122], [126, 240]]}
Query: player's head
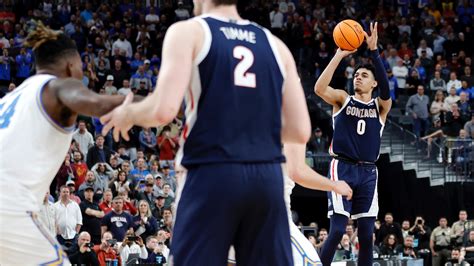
{"points": [[364, 79], [202, 6], [54, 52]]}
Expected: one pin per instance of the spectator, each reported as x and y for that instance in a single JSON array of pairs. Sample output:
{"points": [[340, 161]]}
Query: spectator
{"points": [[318, 144], [106, 204], [462, 149], [98, 153], [157, 251], [128, 205], [455, 259], [400, 72], [72, 192], [64, 174], [440, 241], [117, 221], [123, 45], [158, 207], [424, 48], [345, 247], [467, 251], [103, 173], [452, 97], [6, 62], [83, 138], [125, 89], [24, 62], [118, 73], [393, 85], [181, 12], [421, 234], [407, 249], [144, 223], [84, 255], [438, 106], [413, 82], [91, 215], [405, 228], [91, 181], [167, 144], [429, 137], [388, 246], [133, 250], [68, 218], [169, 179], [109, 87], [417, 107], [437, 83], [140, 77], [121, 184], [107, 250], [147, 141], [421, 70], [467, 76], [465, 89], [469, 126], [47, 215], [389, 227], [147, 195], [463, 104], [453, 81], [138, 174]]}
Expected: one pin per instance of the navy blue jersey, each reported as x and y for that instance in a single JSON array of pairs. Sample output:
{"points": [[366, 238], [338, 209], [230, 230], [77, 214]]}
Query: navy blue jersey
{"points": [[357, 130], [233, 107]]}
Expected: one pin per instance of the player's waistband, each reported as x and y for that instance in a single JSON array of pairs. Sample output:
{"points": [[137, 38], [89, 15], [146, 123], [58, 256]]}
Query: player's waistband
{"points": [[352, 161]]}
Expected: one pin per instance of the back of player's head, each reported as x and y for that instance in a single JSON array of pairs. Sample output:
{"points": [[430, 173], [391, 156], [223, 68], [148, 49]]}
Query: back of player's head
{"points": [[369, 67], [224, 2], [49, 46]]}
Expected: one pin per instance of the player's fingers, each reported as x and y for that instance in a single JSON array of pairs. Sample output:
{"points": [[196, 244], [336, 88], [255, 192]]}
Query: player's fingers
{"points": [[125, 134], [116, 134], [349, 196], [106, 128], [375, 28], [106, 118], [128, 98], [366, 35]]}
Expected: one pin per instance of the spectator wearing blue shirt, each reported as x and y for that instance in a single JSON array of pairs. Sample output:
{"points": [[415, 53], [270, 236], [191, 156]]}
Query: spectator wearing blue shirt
{"points": [[70, 28], [139, 172], [5, 68], [139, 77], [466, 89], [136, 62], [392, 84], [118, 222], [86, 15], [147, 141], [23, 63]]}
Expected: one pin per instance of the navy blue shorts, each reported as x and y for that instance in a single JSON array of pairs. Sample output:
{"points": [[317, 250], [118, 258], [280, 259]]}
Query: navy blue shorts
{"points": [[232, 204], [363, 181]]}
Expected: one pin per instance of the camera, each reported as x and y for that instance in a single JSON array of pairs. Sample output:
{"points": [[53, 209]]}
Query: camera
{"points": [[419, 221], [132, 238], [89, 245], [112, 242]]}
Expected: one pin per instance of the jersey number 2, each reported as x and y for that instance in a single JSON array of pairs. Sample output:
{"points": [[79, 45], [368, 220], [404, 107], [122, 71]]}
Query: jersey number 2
{"points": [[361, 127], [6, 114], [241, 76]]}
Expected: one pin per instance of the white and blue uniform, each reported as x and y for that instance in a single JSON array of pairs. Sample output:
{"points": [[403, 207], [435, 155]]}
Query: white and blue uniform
{"points": [[32, 149], [355, 147], [231, 149]]}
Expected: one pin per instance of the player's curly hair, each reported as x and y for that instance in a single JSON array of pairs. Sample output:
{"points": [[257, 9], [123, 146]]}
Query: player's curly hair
{"points": [[48, 45]]}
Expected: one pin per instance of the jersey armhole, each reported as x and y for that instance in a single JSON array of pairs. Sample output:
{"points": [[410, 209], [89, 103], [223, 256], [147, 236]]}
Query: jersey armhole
{"points": [[348, 98], [376, 100], [274, 47], [207, 41]]}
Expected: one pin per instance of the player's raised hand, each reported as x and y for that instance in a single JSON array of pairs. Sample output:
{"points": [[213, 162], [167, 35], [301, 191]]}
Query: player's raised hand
{"points": [[372, 39], [344, 53], [118, 119], [341, 187]]}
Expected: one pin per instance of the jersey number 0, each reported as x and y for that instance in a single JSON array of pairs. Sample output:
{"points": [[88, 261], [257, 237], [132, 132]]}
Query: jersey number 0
{"points": [[243, 78]]}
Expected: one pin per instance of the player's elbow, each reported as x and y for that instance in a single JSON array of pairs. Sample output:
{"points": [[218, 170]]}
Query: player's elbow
{"points": [[319, 88], [299, 136], [165, 116]]}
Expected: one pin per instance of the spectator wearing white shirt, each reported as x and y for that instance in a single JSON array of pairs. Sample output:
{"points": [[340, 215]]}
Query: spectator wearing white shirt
{"points": [[125, 90], [400, 72], [276, 20], [83, 137], [181, 12], [423, 47], [68, 218], [152, 19], [452, 97], [123, 45], [132, 245], [453, 81]]}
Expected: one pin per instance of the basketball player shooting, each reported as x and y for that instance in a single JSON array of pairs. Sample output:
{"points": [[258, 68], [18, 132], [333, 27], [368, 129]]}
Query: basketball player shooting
{"points": [[358, 122], [36, 122]]}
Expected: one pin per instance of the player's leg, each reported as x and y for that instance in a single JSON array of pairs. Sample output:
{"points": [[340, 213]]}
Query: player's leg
{"points": [[337, 229], [263, 235], [24, 241], [206, 215], [304, 254], [365, 230]]}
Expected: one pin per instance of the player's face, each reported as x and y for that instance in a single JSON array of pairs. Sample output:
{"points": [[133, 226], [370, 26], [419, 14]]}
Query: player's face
{"points": [[364, 81]]}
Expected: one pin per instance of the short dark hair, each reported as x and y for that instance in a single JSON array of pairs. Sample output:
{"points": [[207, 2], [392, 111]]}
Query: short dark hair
{"points": [[369, 67], [224, 2], [49, 46]]}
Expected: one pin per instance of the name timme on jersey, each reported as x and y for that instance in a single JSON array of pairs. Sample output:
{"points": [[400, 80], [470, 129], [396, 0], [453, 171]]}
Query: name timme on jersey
{"points": [[233, 106], [357, 130]]}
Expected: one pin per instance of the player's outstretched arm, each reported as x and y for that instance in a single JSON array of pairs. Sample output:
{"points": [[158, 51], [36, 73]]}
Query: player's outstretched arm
{"points": [[302, 174], [182, 42], [333, 97], [296, 125], [384, 100], [78, 99]]}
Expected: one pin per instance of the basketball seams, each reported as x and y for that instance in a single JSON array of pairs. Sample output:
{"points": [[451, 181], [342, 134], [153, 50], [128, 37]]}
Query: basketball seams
{"points": [[342, 33], [352, 28]]}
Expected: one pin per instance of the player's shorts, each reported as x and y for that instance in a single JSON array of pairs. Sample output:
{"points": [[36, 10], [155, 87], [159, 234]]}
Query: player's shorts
{"points": [[304, 253], [362, 178], [24, 241], [231, 204]]}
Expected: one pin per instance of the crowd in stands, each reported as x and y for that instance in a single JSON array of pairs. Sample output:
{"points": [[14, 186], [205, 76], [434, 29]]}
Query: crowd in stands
{"points": [[119, 196]]}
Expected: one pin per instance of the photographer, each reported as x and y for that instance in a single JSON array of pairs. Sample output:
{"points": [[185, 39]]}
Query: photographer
{"points": [[455, 259], [132, 250], [107, 250], [439, 242], [421, 234], [84, 256], [157, 251], [407, 249]]}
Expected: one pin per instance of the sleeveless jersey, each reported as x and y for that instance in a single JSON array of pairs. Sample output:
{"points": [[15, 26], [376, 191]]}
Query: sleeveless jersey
{"points": [[32, 147], [357, 130], [233, 105]]}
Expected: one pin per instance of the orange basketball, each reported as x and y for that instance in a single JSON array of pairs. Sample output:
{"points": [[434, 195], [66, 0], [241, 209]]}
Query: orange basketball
{"points": [[348, 34]]}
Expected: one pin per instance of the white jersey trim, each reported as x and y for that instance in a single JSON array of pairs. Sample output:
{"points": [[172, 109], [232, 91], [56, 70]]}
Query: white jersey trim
{"points": [[39, 102], [337, 201], [274, 47], [374, 206], [206, 45], [348, 98], [228, 20]]}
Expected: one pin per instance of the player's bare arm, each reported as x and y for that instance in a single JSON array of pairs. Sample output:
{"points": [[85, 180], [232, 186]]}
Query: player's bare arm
{"points": [[330, 95], [296, 125], [182, 43], [384, 100], [302, 174]]}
